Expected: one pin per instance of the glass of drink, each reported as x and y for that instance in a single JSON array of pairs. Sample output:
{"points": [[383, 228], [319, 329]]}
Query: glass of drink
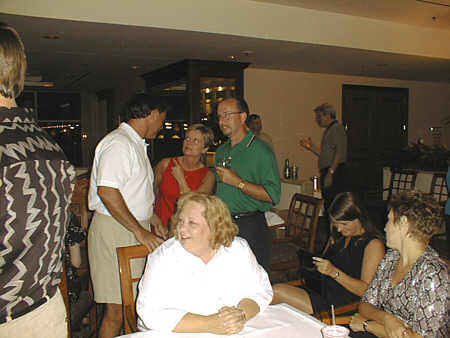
{"points": [[225, 162], [335, 331]]}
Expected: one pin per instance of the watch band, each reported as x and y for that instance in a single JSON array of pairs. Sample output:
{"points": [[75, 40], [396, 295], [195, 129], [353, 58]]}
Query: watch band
{"points": [[365, 325], [336, 275]]}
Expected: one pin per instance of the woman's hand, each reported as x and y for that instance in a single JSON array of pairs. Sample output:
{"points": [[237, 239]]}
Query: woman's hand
{"points": [[395, 327], [177, 172], [229, 320], [356, 323], [324, 266]]}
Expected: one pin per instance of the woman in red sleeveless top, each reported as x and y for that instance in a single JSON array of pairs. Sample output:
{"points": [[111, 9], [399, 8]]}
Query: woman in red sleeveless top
{"points": [[175, 176]]}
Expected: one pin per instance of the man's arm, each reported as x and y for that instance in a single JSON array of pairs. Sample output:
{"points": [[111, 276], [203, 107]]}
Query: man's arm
{"points": [[229, 176], [307, 144], [114, 202]]}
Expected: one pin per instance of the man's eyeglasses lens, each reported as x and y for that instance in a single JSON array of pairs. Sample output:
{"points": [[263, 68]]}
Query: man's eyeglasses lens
{"points": [[227, 115]]}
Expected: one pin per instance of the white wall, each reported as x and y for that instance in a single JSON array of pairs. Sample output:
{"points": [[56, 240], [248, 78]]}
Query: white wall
{"points": [[285, 101]]}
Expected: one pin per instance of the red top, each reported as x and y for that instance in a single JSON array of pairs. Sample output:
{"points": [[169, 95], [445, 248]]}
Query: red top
{"points": [[169, 191]]}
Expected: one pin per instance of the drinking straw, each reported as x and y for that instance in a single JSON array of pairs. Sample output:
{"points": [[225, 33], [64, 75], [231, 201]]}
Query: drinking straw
{"points": [[333, 319]]}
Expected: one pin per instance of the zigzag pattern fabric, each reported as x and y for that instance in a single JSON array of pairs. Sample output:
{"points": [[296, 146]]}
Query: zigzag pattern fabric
{"points": [[36, 183]]}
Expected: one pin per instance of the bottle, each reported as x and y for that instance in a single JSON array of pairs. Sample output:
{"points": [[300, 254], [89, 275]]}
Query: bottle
{"points": [[294, 173], [287, 169]]}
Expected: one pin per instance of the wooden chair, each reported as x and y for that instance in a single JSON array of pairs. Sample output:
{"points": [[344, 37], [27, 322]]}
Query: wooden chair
{"points": [[342, 314], [438, 187], [125, 255], [298, 232], [401, 180]]}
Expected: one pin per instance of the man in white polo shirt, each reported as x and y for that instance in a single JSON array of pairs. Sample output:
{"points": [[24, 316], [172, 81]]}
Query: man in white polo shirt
{"points": [[121, 193]]}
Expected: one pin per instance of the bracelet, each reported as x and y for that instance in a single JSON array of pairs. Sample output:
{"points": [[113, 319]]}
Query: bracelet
{"points": [[336, 275], [365, 325], [244, 315]]}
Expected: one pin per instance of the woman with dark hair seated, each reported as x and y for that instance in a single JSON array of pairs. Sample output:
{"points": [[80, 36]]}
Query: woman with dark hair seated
{"points": [[205, 279], [408, 296], [349, 264]]}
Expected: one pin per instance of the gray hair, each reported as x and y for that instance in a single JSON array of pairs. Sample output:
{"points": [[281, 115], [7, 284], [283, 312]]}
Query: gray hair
{"points": [[327, 109]]}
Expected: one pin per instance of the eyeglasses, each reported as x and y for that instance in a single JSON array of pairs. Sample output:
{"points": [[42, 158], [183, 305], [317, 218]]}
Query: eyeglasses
{"points": [[226, 115]]}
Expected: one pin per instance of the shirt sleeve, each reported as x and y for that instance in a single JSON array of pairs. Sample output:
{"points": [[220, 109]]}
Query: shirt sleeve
{"points": [[270, 175], [114, 165], [338, 136], [430, 313], [153, 301], [256, 285]]}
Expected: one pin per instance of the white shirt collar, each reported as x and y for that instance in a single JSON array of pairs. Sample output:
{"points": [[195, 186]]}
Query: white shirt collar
{"points": [[132, 133]]}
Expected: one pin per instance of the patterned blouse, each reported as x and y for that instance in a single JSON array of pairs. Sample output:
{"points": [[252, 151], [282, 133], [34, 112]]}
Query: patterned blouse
{"points": [[420, 299]]}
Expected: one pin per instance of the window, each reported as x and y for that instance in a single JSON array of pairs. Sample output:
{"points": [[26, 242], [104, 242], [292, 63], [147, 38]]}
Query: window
{"points": [[59, 113]]}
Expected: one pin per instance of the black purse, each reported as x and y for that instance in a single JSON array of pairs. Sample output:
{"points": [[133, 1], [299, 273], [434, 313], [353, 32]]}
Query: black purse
{"points": [[312, 278]]}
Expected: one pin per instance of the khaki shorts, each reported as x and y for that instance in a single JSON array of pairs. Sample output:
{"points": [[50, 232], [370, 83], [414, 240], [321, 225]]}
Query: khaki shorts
{"points": [[105, 235], [48, 320]]}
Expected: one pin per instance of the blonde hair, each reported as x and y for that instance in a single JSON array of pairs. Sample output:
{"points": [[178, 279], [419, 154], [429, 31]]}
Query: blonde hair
{"points": [[207, 133], [13, 62], [216, 214]]}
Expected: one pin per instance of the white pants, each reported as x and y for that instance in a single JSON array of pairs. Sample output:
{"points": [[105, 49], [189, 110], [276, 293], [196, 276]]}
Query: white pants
{"points": [[49, 320]]}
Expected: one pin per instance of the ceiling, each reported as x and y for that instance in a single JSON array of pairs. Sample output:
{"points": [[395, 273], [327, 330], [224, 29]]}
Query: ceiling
{"points": [[96, 56], [411, 12]]}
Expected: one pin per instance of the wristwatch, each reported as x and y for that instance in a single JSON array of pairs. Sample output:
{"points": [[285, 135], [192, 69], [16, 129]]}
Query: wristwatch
{"points": [[241, 185], [365, 325], [331, 171], [336, 275]]}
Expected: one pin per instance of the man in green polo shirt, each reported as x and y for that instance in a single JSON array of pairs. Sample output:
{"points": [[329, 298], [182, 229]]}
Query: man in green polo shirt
{"points": [[248, 179]]}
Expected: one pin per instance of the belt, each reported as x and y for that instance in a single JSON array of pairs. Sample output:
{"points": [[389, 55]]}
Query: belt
{"points": [[246, 214]]}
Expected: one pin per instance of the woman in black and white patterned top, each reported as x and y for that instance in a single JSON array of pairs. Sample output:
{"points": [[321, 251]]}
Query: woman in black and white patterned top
{"points": [[408, 296]]}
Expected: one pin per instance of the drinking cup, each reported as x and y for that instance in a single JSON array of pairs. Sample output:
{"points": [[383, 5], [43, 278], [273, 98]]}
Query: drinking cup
{"points": [[335, 331]]}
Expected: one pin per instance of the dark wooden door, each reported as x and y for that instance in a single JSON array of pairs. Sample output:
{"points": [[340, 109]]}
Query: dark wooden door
{"points": [[376, 120]]}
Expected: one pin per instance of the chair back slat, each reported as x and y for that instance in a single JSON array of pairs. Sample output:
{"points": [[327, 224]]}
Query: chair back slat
{"points": [[303, 218], [125, 255], [438, 188], [300, 232], [401, 180]]}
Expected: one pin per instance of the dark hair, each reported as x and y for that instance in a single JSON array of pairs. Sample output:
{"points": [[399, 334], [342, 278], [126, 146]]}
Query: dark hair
{"points": [[423, 212], [327, 109], [347, 206], [141, 105], [251, 118], [13, 62], [242, 105]]}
